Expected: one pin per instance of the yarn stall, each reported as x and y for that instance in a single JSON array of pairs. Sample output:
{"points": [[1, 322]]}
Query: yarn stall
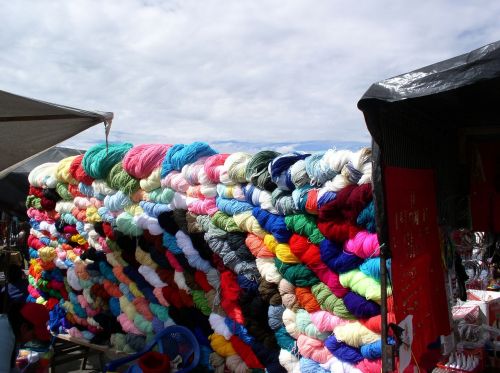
{"points": [[270, 259]]}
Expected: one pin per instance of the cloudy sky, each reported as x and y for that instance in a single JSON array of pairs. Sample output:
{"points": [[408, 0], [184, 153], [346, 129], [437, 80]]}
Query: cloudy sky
{"points": [[236, 73]]}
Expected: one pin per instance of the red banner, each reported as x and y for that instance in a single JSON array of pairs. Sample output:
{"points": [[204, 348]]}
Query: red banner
{"points": [[417, 270]]}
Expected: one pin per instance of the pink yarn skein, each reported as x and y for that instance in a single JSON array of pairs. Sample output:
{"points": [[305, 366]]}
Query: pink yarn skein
{"points": [[214, 166], [364, 245], [313, 349], [326, 321], [141, 160]]}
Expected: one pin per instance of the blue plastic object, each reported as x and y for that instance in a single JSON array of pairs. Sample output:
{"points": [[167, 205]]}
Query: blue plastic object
{"points": [[173, 341]]}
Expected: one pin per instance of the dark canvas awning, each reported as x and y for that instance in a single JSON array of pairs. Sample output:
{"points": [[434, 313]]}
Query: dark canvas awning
{"points": [[29, 126]]}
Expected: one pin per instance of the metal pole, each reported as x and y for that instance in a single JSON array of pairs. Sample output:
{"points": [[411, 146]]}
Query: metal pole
{"points": [[387, 350]]}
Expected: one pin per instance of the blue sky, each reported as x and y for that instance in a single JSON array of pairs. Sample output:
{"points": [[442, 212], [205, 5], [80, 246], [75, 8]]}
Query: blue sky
{"points": [[283, 74]]}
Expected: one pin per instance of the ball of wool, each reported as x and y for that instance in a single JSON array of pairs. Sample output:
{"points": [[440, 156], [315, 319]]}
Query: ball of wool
{"points": [[62, 171], [257, 171], [306, 299], [297, 274], [311, 366], [289, 321], [289, 361], [99, 159], [360, 307], [318, 170], [282, 201], [343, 351], [368, 366], [125, 224], [246, 353], [232, 206], [117, 201], [355, 334], [246, 222], [77, 172], [371, 267], [225, 222], [280, 169], [274, 224], [214, 167], [366, 218], [287, 292], [313, 349], [336, 259], [141, 160], [305, 326], [161, 195], [136, 342], [372, 350], [329, 302], [282, 251], [274, 315], [219, 326], [119, 179], [62, 190], [360, 283], [304, 225], [326, 321], [40, 175], [267, 270], [236, 164], [221, 346], [269, 292]]}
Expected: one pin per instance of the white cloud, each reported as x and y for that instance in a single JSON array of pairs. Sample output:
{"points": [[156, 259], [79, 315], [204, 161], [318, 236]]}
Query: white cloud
{"points": [[256, 71]]}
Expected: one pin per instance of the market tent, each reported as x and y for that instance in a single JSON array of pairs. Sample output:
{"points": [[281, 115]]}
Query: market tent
{"points": [[436, 146], [30, 126], [14, 186]]}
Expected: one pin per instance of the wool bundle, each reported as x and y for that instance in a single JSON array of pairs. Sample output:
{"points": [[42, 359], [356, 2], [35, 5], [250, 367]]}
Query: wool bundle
{"points": [[260, 256]]}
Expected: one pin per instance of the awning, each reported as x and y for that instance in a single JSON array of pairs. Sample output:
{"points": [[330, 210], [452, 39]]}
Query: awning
{"points": [[29, 126]]}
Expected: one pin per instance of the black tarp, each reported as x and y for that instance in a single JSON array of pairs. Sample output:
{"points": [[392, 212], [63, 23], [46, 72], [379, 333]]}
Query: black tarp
{"points": [[424, 118]]}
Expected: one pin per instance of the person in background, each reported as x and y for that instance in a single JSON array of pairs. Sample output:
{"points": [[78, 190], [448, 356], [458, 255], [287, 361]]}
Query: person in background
{"points": [[24, 322], [17, 287], [22, 242]]}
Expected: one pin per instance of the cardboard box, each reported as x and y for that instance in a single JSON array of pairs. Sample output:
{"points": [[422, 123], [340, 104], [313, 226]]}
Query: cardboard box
{"points": [[489, 304]]}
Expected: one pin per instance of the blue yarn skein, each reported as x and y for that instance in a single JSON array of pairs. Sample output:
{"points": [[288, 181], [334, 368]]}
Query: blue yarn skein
{"points": [[251, 193], [366, 218], [170, 242], [167, 166], [232, 206], [274, 316], [343, 351], [371, 267], [373, 351], [336, 258], [325, 198], [360, 307], [279, 169], [154, 209], [311, 366], [239, 330], [299, 197], [285, 341], [318, 171], [189, 154], [275, 224], [87, 190]]}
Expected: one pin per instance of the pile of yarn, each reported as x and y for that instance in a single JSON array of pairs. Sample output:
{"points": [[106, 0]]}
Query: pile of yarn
{"points": [[270, 259]]}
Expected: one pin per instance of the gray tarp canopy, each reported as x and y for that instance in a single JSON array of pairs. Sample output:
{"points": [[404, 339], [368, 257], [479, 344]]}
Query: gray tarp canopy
{"points": [[28, 127]]}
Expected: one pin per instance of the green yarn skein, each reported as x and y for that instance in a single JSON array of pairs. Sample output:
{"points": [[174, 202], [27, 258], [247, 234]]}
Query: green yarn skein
{"points": [[329, 302], [119, 179], [99, 159], [296, 274], [305, 225], [225, 222]]}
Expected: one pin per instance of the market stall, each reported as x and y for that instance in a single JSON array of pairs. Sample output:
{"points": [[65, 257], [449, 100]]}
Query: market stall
{"points": [[436, 145]]}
